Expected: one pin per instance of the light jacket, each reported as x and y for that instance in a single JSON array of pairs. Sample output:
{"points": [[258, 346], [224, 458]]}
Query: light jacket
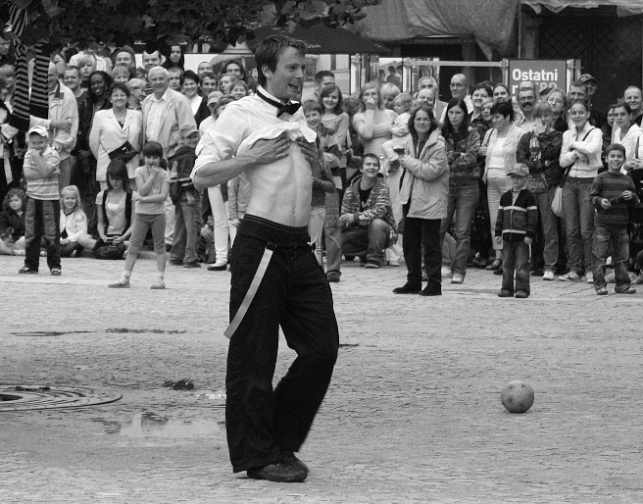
{"points": [[589, 142], [425, 183], [178, 117], [107, 135], [75, 224], [62, 107], [508, 147]]}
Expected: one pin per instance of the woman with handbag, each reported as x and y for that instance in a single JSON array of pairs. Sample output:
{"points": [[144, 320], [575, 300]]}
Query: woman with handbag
{"points": [[539, 150], [581, 155], [116, 133]]}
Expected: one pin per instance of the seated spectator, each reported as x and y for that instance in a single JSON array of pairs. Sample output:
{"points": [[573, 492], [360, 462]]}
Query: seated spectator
{"points": [[368, 226], [12, 223], [73, 222]]}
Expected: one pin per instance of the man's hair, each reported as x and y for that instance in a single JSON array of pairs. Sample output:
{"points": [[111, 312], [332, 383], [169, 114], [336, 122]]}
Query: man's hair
{"points": [[209, 75], [189, 74], [485, 86], [152, 149], [160, 69], [632, 87], [312, 105], [270, 50], [372, 156], [615, 147], [504, 108], [73, 68], [391, 68], [319, 76], [578, 84]]}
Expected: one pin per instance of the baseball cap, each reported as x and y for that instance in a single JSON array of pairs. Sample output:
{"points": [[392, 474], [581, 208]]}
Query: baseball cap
{"points": [[189, 130], [214, 97], [38, 130], [519, 169], [586, 78]]}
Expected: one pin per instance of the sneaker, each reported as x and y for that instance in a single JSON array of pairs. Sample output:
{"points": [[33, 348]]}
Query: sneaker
{"points": [[121, 284], [218, 266], [572, 276], [393, 263], [333, 277], [159, 284], [445, 271], [372, 265], [457, 278], [589, 278], [629, 290], [549, 275], [28, 271], [601, 291]]}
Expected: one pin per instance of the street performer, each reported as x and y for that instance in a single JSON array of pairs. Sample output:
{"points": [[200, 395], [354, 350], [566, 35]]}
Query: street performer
{"points": [[275, 278]]}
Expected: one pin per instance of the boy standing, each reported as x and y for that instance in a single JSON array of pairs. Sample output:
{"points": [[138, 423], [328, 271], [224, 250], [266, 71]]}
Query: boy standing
{"points": [[515, 228], [187, 203], [611, 194], [41, 170]]}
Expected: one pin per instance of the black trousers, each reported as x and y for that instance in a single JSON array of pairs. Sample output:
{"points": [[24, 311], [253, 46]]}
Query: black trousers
{"points": [[294, 295], [422, 235]]}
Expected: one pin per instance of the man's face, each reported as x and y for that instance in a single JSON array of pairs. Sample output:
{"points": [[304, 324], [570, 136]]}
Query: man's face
{"points": [[159, 81], [577, 94], [615, 160], [209, 84], [175, 80], [71, 79], [4, 46], [326, 81], [151, 60], [370, 167], [286, 81], [124, 59], [202, 68], [313, 118], [526, 100], [426, 84], [458, 86], [426, 97], [52, 77], [633, 98]]}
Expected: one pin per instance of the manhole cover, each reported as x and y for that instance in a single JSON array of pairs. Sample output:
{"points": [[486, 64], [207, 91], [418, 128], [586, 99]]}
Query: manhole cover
{"points": [[36, 397]]}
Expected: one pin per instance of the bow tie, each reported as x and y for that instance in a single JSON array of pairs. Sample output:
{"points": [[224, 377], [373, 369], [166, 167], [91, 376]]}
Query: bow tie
{"points": [[287, 108]]}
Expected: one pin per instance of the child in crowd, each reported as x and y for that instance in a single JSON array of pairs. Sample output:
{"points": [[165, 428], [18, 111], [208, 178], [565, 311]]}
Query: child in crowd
{"points": [[238, 197], [73, 222], [153, 186], [12, 223], [322, 179], [516, 228], [187, 203], [113, 208], [612, 194], [41, 169]]}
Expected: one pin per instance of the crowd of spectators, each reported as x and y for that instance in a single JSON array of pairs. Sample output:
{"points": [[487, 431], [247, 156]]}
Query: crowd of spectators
{"points": [[407, 178]]}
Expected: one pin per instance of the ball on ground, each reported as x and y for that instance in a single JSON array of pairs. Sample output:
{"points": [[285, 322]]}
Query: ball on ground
{"points": [[517, 397]]}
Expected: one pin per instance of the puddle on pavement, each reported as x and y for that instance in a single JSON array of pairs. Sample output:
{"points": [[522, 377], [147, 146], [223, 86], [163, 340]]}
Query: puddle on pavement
{"points": [[149, 425]]}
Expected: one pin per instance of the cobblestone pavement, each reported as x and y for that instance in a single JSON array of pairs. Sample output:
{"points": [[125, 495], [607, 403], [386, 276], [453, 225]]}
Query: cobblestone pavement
{"points": [[413, 414]]}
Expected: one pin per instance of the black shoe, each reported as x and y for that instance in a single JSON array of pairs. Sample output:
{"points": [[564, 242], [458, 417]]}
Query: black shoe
{"points": [[192, 265], [292, 459], [176, 262], [480, 262], [333, 276], [430, 292], [281, 471], [505, 293], [498, 272], [522, 294], [407, 288], [27, 270]]}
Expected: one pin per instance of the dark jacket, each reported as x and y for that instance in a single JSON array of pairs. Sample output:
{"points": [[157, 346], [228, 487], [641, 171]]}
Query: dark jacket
{"points": [[183, 162], [377, 206], [542, 156], [517, 220], [462, 156], [11, 221]]}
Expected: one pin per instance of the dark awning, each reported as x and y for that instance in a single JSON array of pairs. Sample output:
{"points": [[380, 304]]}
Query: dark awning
{"points": [[321, 39]]}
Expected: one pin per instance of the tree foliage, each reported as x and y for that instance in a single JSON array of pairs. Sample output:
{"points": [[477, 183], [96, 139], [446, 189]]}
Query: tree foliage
{"points": [[166, 22]]}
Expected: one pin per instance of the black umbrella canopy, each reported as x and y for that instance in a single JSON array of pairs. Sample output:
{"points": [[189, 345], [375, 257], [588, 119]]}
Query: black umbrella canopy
{"points": [[321, 39]]}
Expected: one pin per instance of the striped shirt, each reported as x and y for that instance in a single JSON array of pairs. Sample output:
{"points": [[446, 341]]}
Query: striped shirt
{"points": [[607, 186], [517, 219], [45, 188]]}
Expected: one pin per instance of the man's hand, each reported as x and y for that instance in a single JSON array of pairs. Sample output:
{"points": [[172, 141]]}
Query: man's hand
{"points": [[267, 151], [309, 149], [606, 204]]}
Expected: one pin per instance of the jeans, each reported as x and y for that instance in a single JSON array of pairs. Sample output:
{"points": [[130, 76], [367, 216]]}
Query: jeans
{"points": [[333, 233], [294, 295], [316, 230], [579, 223], [515, 258], [463, 200], [369, 241], [496, 187], [187, 224], [42, 218], [619, 241], [549, 229], [422, 235]]}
